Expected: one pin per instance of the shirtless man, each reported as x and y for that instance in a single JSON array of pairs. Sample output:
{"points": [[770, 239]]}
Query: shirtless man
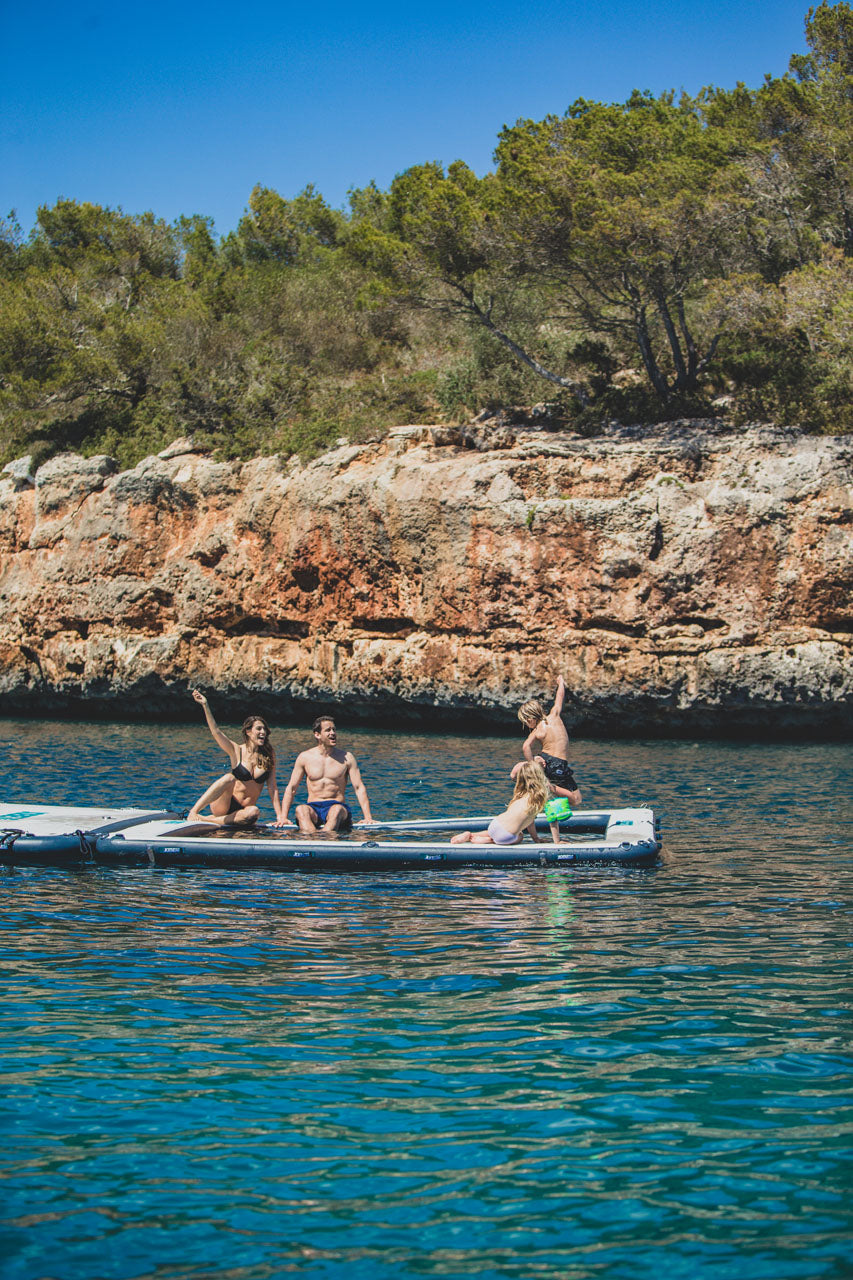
{"points": [[547, 728], [326, 769]]}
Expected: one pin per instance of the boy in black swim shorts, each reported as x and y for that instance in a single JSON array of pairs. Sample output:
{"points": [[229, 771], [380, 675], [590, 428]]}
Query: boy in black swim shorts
{"points": [[546, 729]]}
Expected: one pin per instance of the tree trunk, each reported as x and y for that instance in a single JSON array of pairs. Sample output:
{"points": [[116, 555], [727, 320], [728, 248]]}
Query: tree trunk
{"points": [[674, 344], [656, 378], [483, 318], [692, 353]]}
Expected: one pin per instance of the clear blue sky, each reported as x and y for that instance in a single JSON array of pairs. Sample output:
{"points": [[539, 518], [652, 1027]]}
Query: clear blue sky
{"points": [[183, 108]]}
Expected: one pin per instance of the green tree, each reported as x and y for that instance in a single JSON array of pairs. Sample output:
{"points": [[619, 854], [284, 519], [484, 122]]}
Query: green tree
{"points": [[11, 242], [440, 242], [81, 321], [805, 119], [623, 211], [287, 231]]}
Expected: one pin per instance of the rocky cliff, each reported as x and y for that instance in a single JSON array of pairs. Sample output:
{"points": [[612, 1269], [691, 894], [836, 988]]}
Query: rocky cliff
{"points": [[684, 579]]}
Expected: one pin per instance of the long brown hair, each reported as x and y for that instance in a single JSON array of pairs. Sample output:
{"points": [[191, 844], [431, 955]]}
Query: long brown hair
{"points": [[265, 756], [532, 785]]}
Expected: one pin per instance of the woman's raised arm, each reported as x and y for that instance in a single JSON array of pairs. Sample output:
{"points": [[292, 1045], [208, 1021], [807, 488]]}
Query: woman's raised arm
{"points": [[231, 749]]}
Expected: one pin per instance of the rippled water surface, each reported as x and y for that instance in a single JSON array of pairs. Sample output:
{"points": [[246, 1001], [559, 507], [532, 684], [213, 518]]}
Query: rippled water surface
{"points": [[584, 1072]]}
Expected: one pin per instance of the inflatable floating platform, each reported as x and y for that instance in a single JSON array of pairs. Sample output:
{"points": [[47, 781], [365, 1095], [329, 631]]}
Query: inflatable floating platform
{"points": [[59, 836]]}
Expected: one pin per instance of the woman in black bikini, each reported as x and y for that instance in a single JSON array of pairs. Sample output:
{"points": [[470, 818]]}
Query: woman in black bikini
{"points": [[233, 798]]}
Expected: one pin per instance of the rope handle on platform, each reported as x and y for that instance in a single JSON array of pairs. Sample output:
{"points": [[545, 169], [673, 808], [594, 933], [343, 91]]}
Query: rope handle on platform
{"points": [[87, 846]]}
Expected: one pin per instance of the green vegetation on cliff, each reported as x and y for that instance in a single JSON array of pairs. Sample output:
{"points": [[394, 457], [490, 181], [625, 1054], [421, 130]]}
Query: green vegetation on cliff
{"points": [[643, 260]]}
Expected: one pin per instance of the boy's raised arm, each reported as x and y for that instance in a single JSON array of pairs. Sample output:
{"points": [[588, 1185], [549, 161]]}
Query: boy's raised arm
{"points": [[557, 709]]}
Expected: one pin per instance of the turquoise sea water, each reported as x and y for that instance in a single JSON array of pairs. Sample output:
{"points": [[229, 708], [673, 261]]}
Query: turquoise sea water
{"points": [[585, 1072]]}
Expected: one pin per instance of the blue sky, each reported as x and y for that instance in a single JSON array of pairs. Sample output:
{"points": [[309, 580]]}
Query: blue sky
{"points": [[182, 109]]}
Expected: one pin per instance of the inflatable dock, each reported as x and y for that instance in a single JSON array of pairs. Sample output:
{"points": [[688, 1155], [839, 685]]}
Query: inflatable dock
{"points": [[60, 836]]}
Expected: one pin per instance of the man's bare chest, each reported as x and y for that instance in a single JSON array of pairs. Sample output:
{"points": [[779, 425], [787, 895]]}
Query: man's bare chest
{"points": [[320, 768]]}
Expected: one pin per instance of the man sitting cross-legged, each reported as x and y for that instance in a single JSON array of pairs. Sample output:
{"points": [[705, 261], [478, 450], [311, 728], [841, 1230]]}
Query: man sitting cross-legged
{"points": [[326, 768]]}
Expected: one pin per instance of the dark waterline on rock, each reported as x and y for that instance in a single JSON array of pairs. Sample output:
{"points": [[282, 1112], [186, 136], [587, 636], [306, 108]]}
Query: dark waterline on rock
{"points": [[632, 720]]}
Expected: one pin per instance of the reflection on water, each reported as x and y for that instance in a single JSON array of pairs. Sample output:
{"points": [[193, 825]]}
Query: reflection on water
{"points": [[577, 1073]]}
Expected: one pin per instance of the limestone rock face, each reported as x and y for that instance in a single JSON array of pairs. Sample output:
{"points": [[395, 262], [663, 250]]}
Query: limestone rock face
{"points": [[682, 578]]}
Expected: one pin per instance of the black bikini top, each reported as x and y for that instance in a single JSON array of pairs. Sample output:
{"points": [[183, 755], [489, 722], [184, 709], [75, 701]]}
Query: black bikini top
{"points": [[242, 774]]}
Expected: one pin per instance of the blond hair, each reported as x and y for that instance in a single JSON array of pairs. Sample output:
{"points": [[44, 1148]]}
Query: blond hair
{"points": [[532, 785], [532, 713]]}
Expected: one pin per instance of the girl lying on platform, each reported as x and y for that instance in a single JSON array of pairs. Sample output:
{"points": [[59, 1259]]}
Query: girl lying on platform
{"points": [[530, 796]]}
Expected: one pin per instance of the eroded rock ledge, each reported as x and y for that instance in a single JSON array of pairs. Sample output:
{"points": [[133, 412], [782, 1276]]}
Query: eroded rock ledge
{"points": [[685, 580]]}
